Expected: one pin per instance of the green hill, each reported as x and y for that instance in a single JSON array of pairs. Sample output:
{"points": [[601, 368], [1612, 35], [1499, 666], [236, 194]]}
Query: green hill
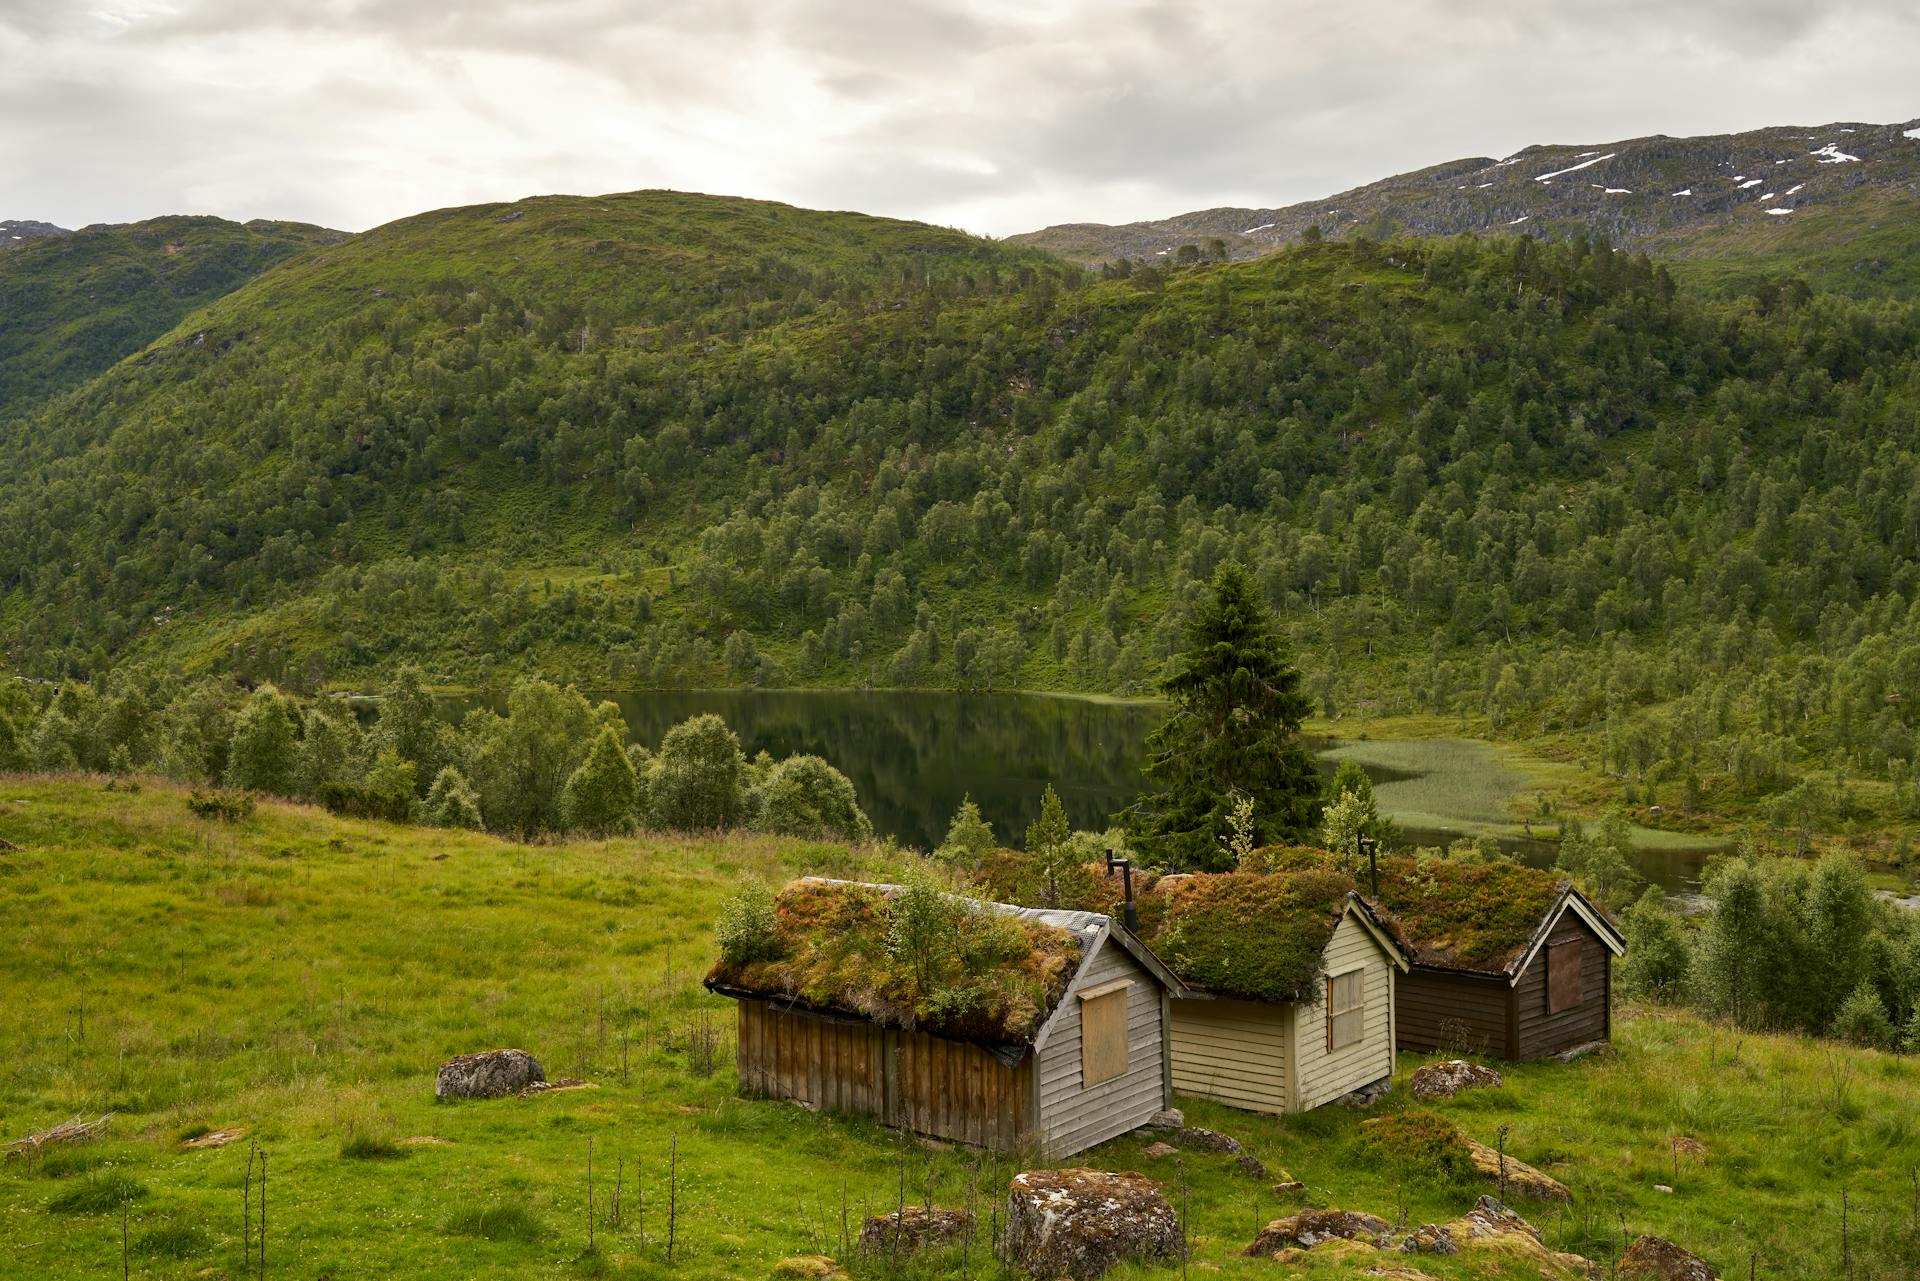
{"points": [[299, 978], [74, 302], [662, 439]]}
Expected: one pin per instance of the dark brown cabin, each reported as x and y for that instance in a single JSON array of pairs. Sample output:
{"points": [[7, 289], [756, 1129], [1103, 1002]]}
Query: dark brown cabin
{"points": [[1554, 993]]}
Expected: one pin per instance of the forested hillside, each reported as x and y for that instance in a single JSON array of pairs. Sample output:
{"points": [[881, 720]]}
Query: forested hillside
{"points": [[74, 302], [664, 439]]}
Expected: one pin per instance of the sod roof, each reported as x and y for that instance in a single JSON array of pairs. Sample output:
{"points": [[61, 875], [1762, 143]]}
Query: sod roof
{"points": [[994, 979], [1479, 917]]}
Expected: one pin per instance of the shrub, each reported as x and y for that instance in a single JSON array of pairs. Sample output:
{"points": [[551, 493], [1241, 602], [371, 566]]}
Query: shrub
{"points": [[226, 804], [805, 796], [452, 802], [385, 793], [602, 795], [505, 1221], [262, 755], [1422, 1140], [969, 837], [748, 930], [697, 779], [13, 746], [97, 1194], [1863, 1018], [1657, 958]]}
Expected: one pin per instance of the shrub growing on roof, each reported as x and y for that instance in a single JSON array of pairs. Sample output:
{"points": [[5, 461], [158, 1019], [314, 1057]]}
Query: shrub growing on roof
{"points": [[1475, 916]]}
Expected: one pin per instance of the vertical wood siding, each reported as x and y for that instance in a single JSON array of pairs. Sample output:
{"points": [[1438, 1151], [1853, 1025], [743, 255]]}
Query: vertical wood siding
{"points": [[1320, 1075], [1542, 1033], [937, 1087], [1432, 1006], [1074, 1118], [1234, 1052]]}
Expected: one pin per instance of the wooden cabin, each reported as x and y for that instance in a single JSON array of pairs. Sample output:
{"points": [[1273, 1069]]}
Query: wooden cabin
{"points": [[1068, 1051], [1268, 1055], [1530, 977]]}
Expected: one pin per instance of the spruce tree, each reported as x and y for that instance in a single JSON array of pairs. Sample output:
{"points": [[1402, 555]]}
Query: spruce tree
{"points": [[1234, 731]]}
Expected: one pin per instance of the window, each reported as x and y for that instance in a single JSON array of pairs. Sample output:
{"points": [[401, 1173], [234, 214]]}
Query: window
{"points": [[1346, 1009], [1565, 987], [1103, 1032]]}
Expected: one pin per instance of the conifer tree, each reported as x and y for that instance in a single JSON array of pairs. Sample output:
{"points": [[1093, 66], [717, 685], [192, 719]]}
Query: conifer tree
{"points": [[969, 836], [1234, 730]]}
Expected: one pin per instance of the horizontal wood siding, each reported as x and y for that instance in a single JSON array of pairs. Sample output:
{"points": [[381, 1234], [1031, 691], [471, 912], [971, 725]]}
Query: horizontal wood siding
{"points": [[1436, 1010], [1234, 1052], [942, 1088], [1320, 1075], [1074, 1118], [1542, 1033]]}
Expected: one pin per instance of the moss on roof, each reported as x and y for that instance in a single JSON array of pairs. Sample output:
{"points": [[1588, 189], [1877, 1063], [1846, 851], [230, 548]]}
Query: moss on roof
{"points": [[1259, 936], [993, 977], [1451, 914]]}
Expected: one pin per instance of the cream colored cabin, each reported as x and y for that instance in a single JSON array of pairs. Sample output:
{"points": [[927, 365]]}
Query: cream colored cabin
{"points": [[1289, 1057]]}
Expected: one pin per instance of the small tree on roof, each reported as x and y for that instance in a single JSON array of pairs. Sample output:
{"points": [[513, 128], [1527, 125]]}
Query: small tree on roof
{"points": [[1234, 730]]}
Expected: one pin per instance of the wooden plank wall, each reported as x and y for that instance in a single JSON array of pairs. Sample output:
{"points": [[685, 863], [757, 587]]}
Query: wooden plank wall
{"points": [[1434, 1005], [1320, 1076], [1232, 1051], [942, 1088], [1542, 1033], [1074, 1118]]}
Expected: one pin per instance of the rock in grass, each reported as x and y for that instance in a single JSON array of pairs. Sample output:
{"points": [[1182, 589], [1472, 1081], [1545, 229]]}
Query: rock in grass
{"points": [[1521, 1178], [1310, 1228], [1654, 1258], [1429, 1238], [1251, 1166], [917, 1227], [1196, 1139], [491, 1074], [1079, 1223], [1444, 1080]]}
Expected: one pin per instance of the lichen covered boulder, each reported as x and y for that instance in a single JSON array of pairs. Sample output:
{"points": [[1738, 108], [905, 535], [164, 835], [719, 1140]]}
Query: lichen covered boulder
{"points": [[1496, 1240], [491, 1074], [1310, 1228], [1195, 1139], [917, 1227], [1079, 1223], [1652, 1258], [1444, 1080]]}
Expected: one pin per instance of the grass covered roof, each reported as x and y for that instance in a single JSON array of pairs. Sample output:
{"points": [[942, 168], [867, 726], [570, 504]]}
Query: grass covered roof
{"points": [[908, 957], [1452, 914]]}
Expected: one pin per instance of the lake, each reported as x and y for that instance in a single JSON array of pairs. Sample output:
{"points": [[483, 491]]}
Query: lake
{"points": [[914, 755]]}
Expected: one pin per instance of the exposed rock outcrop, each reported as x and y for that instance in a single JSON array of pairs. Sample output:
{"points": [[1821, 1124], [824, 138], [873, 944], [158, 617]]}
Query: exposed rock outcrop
{"points": [[1079, 1223], [491, 1074], [1310, 1228], [1652, 1258], [1444, 1080]]}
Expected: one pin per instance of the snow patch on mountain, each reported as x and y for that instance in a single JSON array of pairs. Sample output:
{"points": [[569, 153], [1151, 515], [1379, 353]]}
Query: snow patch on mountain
{"points": [[1832, 155], [1775, 213], [1575, 168], [1751, 182]]}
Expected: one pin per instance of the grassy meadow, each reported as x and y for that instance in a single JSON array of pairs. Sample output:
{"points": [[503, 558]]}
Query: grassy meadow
{"points": [[301, 976]]}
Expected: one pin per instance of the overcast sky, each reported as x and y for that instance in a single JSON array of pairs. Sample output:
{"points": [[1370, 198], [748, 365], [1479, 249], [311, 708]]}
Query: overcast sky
{"points": [[997, 117]]}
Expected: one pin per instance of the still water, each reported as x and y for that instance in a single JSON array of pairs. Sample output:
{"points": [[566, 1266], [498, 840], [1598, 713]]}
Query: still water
{"points": [[914, 755]]}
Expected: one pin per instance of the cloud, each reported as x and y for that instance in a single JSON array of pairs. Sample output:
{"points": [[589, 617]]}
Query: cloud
{"points": [[996, 115]]}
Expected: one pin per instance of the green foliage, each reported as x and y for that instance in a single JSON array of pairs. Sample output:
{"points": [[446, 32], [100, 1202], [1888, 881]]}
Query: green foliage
{"points": [[603, 795], [452, 802], [805, 796], [1419, 1141], [172, 1241], [14, 754], [262, 755], [225, 804], [969, 837], [502, 1221], [386, 792], [1234, 729], [1601, 864], [1477, 916], [748, 929], [1657, 960], [520, 762], [698, 779], [922, 927], [370, 1147], [1862, 1019], [1048, 850], [327, 752], [1342, 823]]}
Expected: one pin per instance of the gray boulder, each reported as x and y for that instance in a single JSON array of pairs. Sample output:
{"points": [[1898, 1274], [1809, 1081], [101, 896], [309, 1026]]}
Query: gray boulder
{"points": [[1080, 1223], [491, 1074]]}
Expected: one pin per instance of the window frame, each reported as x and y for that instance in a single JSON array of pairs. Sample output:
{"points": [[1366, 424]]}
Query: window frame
{"points": [[1355, 1013], [1103, 1014]]}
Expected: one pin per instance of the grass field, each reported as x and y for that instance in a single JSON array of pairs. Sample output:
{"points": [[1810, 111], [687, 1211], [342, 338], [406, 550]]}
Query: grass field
{"points": [[302, 976]]}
